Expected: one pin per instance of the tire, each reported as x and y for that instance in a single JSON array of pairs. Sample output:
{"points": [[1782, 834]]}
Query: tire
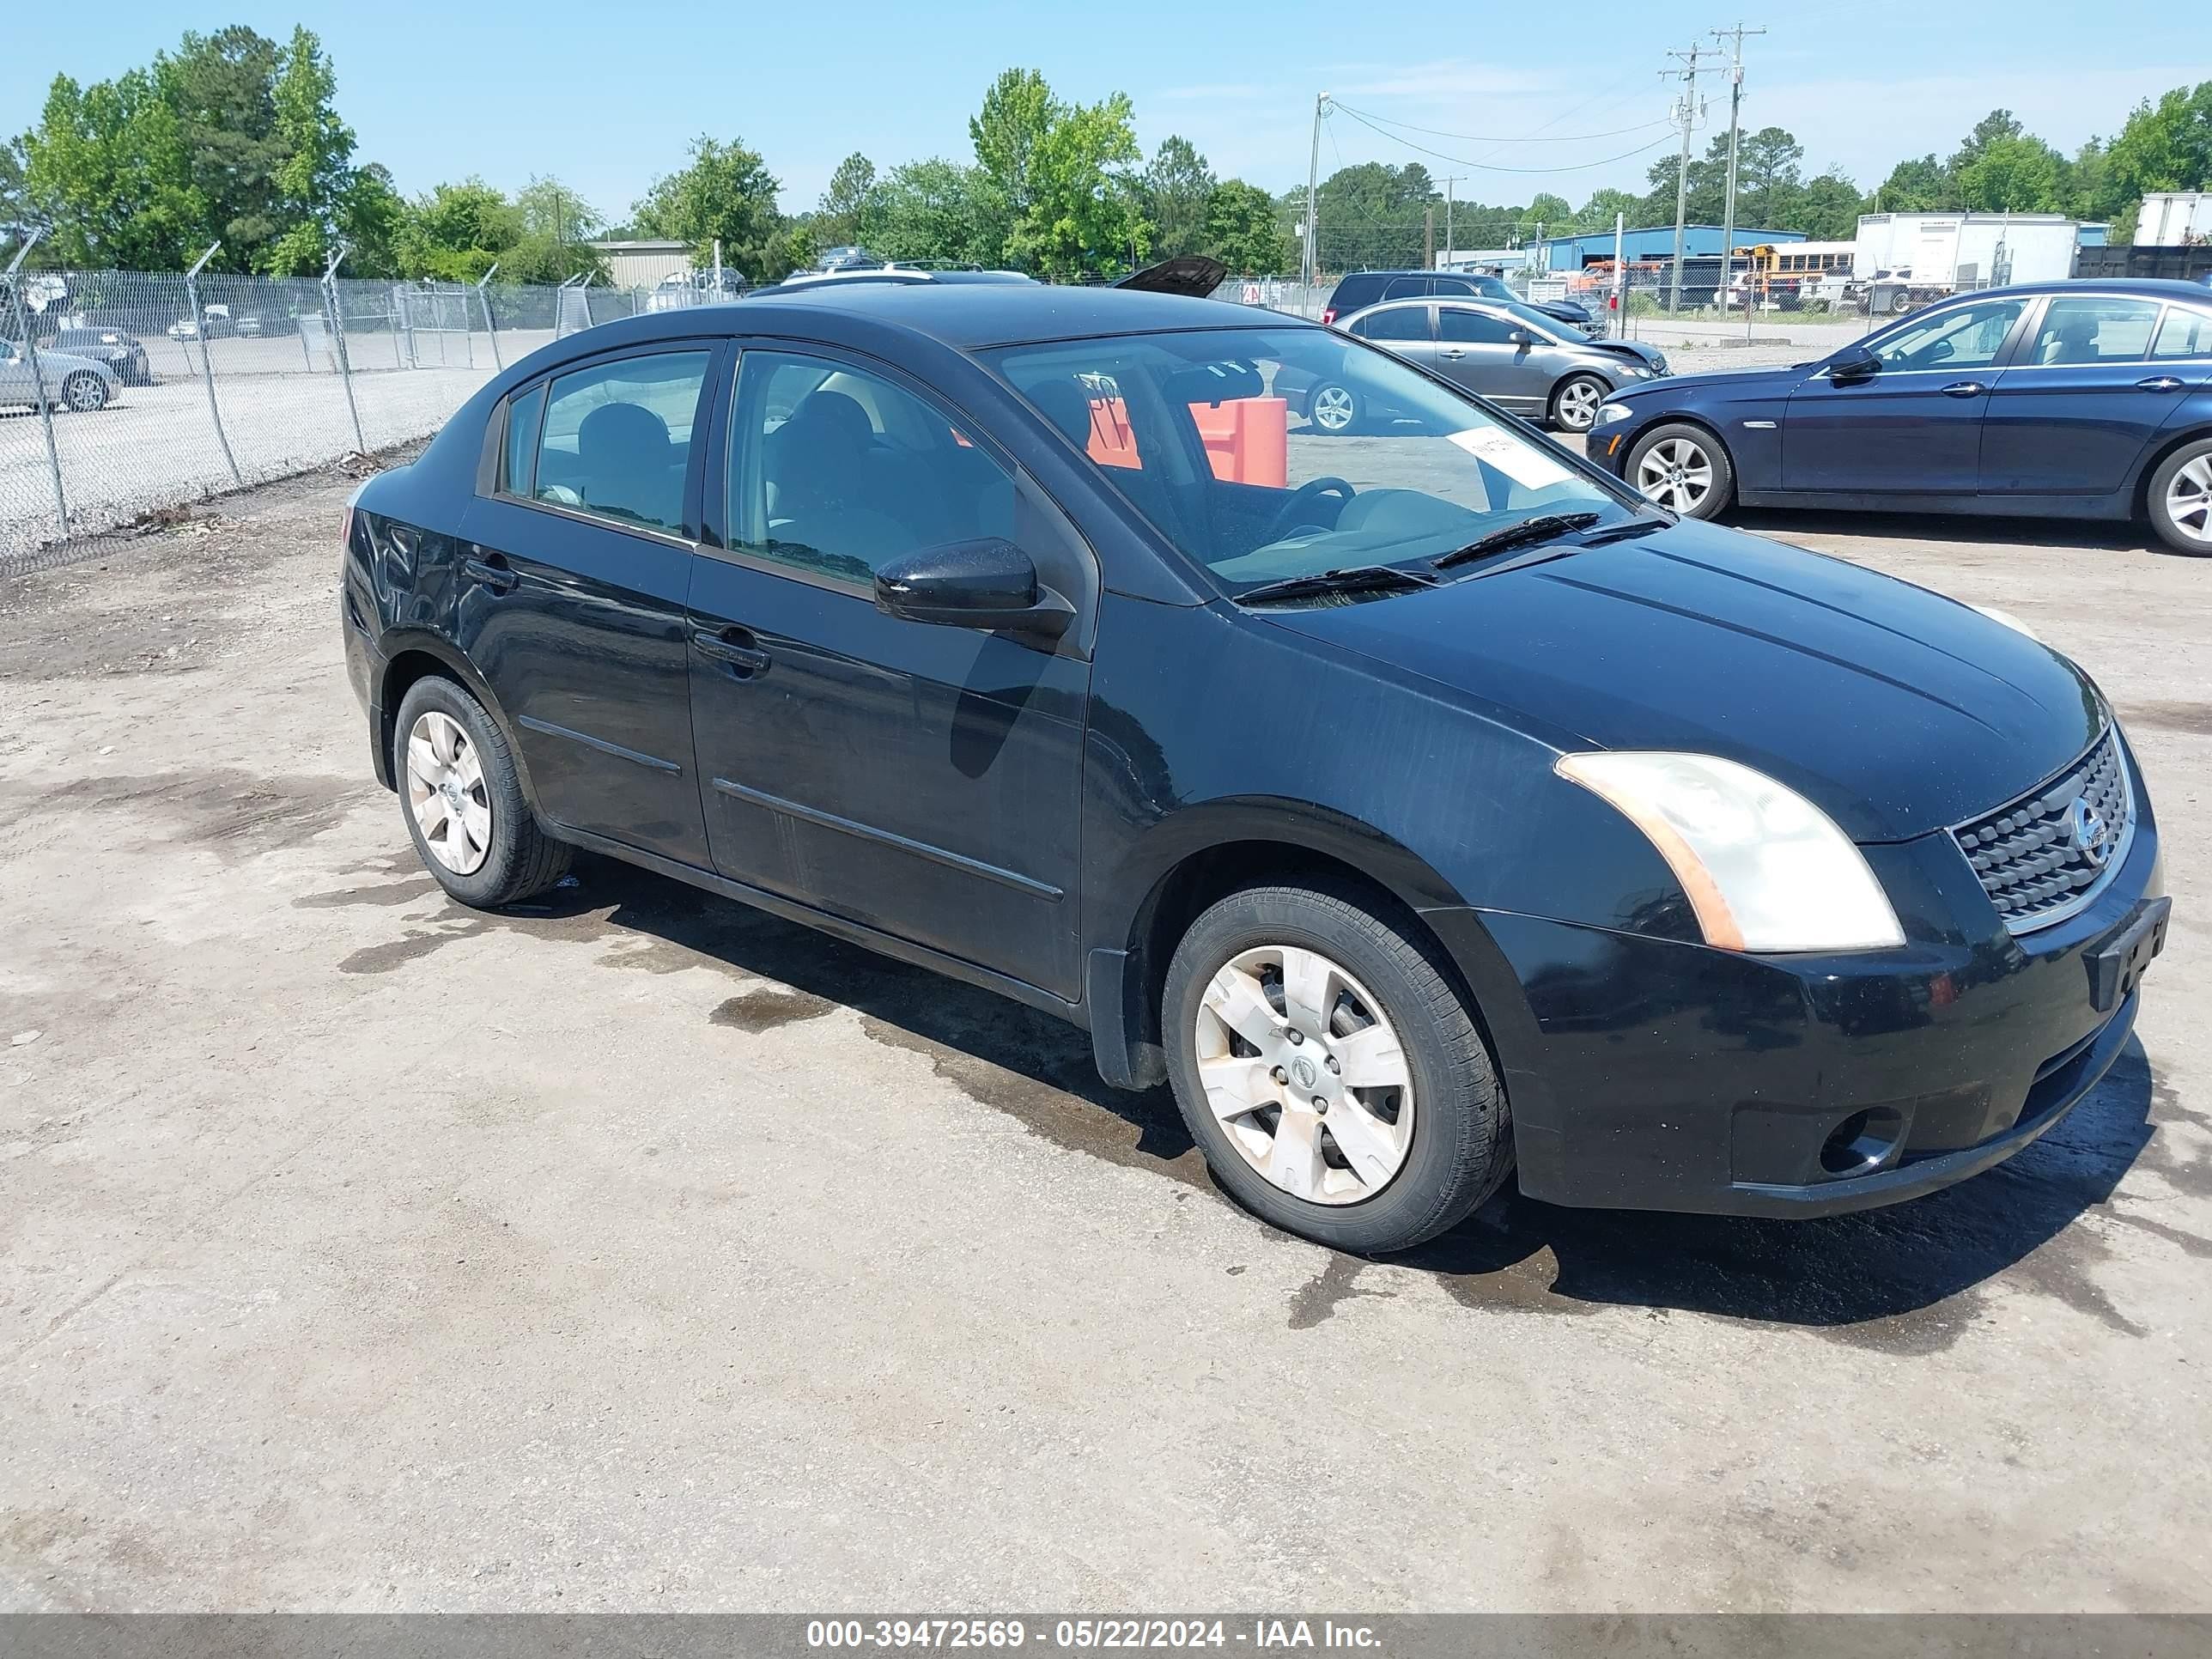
{"points": [[2181, 499], [84, 394], [1333, 409], [1689, 471], [490, 853], [1434, 1146], [1575, 402]]}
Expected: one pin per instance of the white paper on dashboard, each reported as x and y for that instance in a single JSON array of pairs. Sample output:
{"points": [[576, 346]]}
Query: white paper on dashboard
{"points": [[1516, 459]]}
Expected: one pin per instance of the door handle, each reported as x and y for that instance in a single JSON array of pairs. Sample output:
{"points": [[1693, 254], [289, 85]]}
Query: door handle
{"points": [[1451, 351], [1964, 389], [2160, 383], [733, 647], [492, 571]]}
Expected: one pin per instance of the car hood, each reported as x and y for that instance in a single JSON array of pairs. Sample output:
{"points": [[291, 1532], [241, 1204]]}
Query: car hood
{"points": [[1750, 379], [1894, 709]]}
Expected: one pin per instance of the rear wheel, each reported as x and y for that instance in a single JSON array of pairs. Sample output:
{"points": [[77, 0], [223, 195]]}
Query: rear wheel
{"points": [[1329, 1071], [1684, 469], [2181, 499], [1333, 409], [463, 802], [1575, 402]]}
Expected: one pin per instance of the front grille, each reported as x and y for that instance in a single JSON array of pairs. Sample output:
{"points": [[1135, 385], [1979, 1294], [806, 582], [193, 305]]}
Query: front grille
{"points": [[2042, 858]]}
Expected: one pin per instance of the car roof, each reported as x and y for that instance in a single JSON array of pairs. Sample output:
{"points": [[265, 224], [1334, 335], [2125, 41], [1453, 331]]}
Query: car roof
{"points": [[968, 315], [2149, 288]]}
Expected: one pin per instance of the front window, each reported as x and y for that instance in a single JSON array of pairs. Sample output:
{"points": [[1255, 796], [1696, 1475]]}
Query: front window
{"points": [[1965, 337], [1269, 454]]}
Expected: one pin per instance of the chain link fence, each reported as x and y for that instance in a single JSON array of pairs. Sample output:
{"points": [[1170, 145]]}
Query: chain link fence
{"points": [[124, 395]]}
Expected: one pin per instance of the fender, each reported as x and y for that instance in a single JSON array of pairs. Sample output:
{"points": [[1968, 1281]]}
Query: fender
{"points": [[396, 642]]}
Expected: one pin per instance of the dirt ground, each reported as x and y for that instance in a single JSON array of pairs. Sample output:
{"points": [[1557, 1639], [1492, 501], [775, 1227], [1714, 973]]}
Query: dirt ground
{"points": [[636, 1250]]}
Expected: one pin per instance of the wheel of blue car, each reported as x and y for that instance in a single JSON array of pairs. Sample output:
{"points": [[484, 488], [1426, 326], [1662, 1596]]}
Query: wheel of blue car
{"points": [[1684, 469], [1575, 402], [1333, 409], [463, 798], [1330, 1071], [2181, 499]]}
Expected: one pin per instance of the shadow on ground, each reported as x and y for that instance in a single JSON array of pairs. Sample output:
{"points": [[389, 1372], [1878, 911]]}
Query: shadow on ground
{"points": [[1946, 530], [1907, 1279]]}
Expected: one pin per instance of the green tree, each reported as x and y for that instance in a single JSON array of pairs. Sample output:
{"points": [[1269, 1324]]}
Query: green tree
{"points": [[1827, 209], [2163, 146], [1007, 132], [316, 176], [1597, 213], [2013, 174], [1998, 126], [223, 89], [1917, 185], [1769, 177], [724, 193], [1244, 232], [107, 167], [371, 218], [1178, 190], [456, 232], [555, 225], [1553, 212], [841, 220], [1081, 217], [1373, 215], [939, 210]]}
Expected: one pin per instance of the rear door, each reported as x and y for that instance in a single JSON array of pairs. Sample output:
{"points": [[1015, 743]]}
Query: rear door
{"points": [[570, 594], [2085, 396], [923, 780], [1475, 350], [1407, 329], [1915, 427]]}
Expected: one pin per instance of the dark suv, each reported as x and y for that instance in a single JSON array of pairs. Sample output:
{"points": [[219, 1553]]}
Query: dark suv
{"points": [[1362, 288]]}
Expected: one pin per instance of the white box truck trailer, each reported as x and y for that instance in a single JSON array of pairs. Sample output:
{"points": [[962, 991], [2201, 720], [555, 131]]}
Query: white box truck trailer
{"points": [[2172, 218]]}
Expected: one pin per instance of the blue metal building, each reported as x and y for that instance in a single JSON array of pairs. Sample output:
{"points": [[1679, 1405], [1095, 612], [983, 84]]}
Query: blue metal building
{"points": [[1654, 242]]}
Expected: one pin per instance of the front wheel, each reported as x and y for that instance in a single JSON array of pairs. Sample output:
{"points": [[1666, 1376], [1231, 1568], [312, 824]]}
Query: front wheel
{"points": [[1684, 469], [86, 394], [2181, 499], [462, 796], [1333, 409], [1575, 403], [1329, 1071]]}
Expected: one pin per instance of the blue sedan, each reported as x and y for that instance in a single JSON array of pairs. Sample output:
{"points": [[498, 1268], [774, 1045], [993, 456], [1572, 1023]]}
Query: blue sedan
{"points": [[2055, 399]]}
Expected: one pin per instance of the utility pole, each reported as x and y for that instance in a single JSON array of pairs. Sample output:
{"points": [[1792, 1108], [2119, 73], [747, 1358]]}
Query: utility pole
{"points": [[1450, 180], [1313, 197], [1685, 113], [1735, 130], [1428, 237]]}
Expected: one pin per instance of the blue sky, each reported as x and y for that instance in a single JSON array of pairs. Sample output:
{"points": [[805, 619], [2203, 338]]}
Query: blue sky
{"points": [[607, 94]]}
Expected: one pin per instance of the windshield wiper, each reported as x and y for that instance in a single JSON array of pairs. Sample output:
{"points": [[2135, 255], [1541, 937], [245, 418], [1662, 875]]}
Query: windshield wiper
{"points": [[1542, 527], [1355, 579]]}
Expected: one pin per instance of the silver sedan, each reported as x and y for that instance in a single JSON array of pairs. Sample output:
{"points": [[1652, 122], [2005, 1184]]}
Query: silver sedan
{"points": [[1513, 355], [76, 384]]}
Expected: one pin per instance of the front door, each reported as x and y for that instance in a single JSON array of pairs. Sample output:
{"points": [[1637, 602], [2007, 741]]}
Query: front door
{"points": [[924, 780], [1475, 350], [571, 590], [2081, 402], [1915, 427]]}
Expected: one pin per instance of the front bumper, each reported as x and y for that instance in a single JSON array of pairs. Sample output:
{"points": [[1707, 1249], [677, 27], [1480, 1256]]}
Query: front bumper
{"points": [[1647, 1074]]}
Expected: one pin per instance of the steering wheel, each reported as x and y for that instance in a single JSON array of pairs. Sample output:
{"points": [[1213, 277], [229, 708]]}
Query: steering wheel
{"points": [[1304, 495]]}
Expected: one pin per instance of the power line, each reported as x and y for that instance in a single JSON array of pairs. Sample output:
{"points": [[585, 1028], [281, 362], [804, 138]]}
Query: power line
{"points": [[1462, 161], [1483, 138]]}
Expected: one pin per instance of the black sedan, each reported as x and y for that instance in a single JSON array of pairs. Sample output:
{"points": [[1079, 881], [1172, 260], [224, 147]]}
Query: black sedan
{"points": [[1450, 815], [123, 353], [2078, 400]]}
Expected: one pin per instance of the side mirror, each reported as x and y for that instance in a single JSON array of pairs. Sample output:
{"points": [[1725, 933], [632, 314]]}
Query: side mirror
{"points": [[1520, 336], [989, 583], [1853, 363]]}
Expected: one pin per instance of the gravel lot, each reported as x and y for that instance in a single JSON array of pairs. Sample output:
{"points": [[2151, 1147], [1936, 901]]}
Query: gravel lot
{"points": [[637, 1250]]}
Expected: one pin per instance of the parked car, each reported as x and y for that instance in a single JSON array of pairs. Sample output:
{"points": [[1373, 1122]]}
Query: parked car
{"points": [[2072, 400], [1476, 811], [80, 384], [1362, 288], [845, 258], [124, 353], [1511, 354], [216, 322]]}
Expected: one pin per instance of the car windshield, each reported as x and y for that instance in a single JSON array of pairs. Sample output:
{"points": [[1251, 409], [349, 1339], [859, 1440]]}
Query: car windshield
{"points": [[1268, 454]]}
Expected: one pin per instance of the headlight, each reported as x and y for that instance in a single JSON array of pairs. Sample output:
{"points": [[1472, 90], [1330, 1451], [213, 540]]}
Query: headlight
{"points": [[1636, 371], [2009, 620], [1764, 869], [1609, 413]]}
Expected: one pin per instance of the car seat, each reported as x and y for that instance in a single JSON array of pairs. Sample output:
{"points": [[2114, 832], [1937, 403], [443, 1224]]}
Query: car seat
{"points": [[627, 465]]}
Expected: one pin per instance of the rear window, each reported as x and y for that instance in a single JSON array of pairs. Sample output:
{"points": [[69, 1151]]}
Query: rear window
{"points": [[2184, 333], [1356, 293]]}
